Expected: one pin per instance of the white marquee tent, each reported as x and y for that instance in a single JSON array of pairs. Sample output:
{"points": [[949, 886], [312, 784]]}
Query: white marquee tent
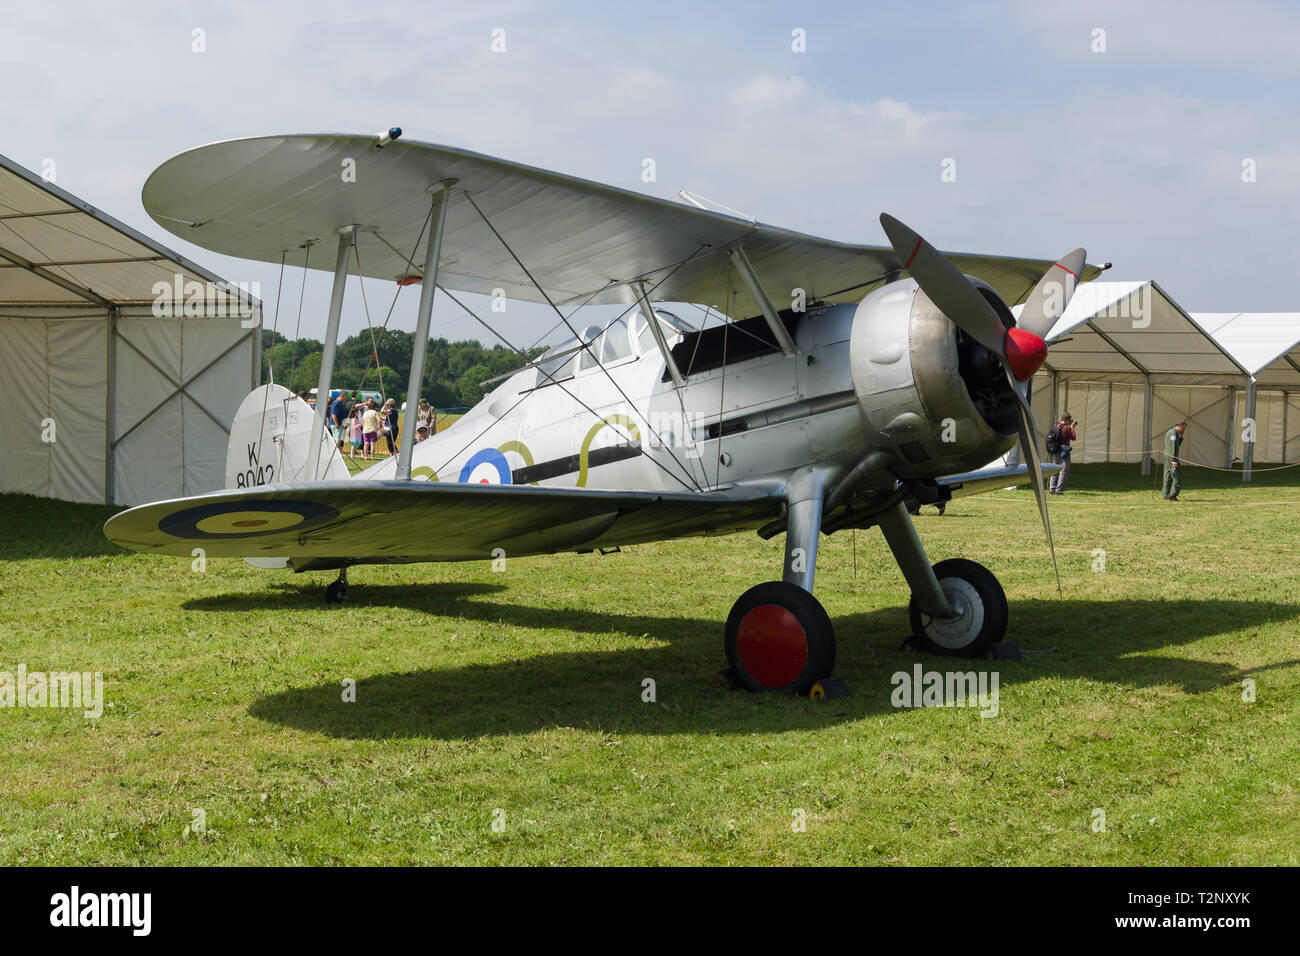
{"points": [[104, 400], [1128, 362]]}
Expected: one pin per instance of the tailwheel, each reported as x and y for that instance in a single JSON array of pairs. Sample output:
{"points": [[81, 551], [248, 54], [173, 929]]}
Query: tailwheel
{"points": [[981, 607], [779, 637], [337, 592]]}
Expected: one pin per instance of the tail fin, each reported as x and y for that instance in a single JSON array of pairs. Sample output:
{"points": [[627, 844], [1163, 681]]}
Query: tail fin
{"points": [[271, 442]]}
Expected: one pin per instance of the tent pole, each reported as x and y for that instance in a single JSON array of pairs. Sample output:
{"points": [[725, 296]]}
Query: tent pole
{"points": [[1146, 426], [257, 351], [420, 345], [1286, 400], [1248, 447], [1055, 401], [110, 401], [1232, 422], [1110, 407], [347, 236]]}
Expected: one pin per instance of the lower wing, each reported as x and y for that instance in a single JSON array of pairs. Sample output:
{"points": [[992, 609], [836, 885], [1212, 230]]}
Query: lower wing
{"points": [[324, 523], [990, 478]]}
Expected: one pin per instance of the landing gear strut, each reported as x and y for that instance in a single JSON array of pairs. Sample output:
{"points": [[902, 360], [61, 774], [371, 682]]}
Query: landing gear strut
{"points": [[337, 592], [958, 608], [778, 636]]}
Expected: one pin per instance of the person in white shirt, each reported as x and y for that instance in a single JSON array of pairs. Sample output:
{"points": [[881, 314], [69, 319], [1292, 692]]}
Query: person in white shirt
{"points": [[369, 430]]}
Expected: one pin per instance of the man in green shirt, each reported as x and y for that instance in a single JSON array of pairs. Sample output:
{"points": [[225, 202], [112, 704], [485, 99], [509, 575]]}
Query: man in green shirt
{"points": [[1173, 466]]}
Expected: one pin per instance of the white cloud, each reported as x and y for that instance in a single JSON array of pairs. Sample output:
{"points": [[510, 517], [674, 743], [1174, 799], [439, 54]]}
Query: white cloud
{"points": [[1148, 177], [767, 91], [1256, 34]]}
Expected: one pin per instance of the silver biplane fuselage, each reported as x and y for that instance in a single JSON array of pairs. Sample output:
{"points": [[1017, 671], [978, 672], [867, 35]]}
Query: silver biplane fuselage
{"points": [[752, 421]]}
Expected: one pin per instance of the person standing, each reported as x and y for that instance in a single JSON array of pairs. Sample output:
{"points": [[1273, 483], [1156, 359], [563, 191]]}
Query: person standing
{"points": [[339, 415], [429, 415], [388, 424], [369, 429], [1058, 441], [354, 429], [1173, 482]]}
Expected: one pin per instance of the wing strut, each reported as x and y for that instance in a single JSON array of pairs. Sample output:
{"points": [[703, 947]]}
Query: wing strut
{"points": [[782, 334], [420, 345], [347, 236], [648, 311]]}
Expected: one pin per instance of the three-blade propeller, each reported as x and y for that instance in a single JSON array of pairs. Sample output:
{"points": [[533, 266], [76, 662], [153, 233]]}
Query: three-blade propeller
{"points": [[1021, 348]]}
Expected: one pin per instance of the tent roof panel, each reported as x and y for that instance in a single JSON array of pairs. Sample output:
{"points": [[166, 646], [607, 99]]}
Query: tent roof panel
{"points": [[1129, 326], [19, 196], [57, 250], [1258, 340]]}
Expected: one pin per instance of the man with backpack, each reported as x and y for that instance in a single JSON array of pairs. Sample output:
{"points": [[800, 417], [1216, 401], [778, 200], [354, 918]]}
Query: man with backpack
{"points": [[1058, 446]]}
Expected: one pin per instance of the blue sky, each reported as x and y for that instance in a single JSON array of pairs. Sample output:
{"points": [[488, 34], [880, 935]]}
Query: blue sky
{"points": [[1135, 152]]}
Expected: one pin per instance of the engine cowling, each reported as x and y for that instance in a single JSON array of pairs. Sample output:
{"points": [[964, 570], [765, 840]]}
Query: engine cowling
{"points": [[933, 396]]}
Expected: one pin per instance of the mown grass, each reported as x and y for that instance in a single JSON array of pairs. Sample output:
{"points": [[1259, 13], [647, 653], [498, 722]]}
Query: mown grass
{"points": [[521, 692]]}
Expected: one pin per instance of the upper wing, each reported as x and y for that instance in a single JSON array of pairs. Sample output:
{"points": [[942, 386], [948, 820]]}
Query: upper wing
{"points": [[265, 197], [426, 521]]}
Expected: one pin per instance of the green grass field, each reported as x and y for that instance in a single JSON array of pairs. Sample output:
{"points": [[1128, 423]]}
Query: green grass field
{"points": [[517, 697]]}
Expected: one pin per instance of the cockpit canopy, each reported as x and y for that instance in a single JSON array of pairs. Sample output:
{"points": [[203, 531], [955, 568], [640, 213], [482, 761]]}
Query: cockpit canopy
{"points": [[613, 344]]}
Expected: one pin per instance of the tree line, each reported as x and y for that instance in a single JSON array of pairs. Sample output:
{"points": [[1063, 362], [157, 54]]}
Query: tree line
{"points": [[453, 371]]}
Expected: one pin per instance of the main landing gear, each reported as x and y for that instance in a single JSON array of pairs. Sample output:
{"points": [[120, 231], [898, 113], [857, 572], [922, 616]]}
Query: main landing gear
{"points": [[981, 611], [778, 636]]}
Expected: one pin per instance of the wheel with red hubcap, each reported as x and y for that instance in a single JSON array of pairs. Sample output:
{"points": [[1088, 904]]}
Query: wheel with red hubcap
{"points": [[779, 637]]}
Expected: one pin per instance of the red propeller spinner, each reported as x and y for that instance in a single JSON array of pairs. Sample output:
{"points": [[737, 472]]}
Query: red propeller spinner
{"points": [[1026, 353]]}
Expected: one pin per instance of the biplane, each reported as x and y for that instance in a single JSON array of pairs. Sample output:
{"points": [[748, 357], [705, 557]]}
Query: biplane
{"points": [[829, 386]]}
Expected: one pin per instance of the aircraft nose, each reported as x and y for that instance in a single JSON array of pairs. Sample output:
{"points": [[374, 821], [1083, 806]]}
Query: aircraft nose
{"points": [[1026, 353]]}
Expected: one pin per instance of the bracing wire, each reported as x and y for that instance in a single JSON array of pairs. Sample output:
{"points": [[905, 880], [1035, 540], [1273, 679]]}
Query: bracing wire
{"points": [[374, 345], [560, 385], [509, 249], [297, 329], [270, 368]]}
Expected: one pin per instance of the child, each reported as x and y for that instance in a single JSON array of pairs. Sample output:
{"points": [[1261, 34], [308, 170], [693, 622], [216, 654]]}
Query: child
{"points": [[354, 425]]}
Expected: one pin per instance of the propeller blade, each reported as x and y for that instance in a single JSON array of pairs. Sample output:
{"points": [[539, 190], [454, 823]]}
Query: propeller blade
{"points": [[1047, 302], [947, 288], [1028, 442]]}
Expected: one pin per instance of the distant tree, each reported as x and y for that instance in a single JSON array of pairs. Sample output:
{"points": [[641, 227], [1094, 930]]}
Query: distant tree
{"points": [[452, 370], [441, 395], [305, 374], [469, 390]]}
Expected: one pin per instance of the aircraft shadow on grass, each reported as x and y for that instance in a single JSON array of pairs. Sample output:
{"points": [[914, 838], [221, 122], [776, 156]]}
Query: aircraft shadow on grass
{"points": [[600, 689]]}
